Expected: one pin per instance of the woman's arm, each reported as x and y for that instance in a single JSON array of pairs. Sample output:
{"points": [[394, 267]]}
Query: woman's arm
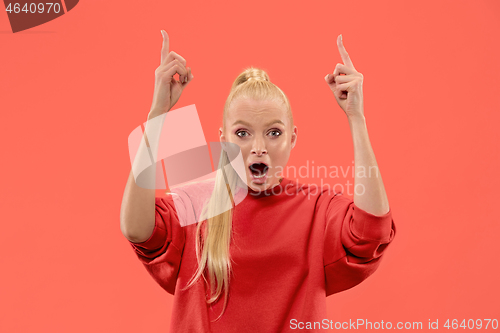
{"points": [[137, 213], [369, 191]]}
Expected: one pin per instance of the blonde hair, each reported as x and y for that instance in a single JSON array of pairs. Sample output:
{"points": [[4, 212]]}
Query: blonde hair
{"points": [[214, 234]]}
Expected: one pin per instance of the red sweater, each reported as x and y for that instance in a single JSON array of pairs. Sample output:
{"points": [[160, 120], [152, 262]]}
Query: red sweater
{"points": [[296, 244]]}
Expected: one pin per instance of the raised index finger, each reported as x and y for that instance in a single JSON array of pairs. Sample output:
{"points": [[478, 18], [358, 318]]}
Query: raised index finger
{"points": [[343, 53], [166, 47]]}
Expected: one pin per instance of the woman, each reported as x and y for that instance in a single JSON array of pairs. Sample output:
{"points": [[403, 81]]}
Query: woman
{"points": [[268, 263]]}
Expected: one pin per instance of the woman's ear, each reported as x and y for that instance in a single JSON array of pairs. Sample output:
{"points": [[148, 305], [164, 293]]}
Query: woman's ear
{"points": [[222, 138], [294, 136]]}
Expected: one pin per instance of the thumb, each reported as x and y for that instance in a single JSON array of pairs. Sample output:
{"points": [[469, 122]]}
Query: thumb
{"points": [[190, 76], [329, 78]]}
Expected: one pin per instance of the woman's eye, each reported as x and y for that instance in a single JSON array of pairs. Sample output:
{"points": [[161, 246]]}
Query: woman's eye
{"points": [[241, 136], [279, 133]]}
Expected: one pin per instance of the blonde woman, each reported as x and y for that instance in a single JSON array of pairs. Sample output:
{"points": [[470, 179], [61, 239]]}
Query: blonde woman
{"points": [[268, 263]]}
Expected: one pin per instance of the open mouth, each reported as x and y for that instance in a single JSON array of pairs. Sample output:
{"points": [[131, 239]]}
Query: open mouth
{"points": [[258, 170]]}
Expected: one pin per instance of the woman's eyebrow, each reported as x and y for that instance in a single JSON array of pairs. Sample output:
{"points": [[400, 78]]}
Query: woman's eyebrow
{"points": [[268, 124]]}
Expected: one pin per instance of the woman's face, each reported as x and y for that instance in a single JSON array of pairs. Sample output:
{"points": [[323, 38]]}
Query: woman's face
{"points": [[263, 132]]}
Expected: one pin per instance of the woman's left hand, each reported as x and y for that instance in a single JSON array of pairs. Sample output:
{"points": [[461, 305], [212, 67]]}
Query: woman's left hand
{"points": [[348, 88]]}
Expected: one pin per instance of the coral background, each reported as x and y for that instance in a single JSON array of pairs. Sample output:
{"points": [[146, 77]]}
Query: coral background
{"points": [[73, 89]]}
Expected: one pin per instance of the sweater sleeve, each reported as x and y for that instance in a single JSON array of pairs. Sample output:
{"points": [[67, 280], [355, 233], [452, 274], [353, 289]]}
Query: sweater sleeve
{"points": [[161, 253], [355, 241]]}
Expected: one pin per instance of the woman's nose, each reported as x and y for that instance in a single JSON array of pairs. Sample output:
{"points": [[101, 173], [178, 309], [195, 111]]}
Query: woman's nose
{"points": [[259, 152], [258, 148]]}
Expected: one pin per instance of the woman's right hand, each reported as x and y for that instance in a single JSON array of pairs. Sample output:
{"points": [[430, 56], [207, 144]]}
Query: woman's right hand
{"points": [[167, 89]]}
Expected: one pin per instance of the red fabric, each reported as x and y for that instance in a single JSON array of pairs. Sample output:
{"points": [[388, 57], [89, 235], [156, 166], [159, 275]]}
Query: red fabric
{"points": [[293, 245]]}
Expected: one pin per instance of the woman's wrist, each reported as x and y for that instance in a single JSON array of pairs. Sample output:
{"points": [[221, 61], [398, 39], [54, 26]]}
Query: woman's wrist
{"points": [[156, 112]]}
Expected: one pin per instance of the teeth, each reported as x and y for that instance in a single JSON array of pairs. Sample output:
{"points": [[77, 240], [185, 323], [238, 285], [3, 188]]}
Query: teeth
{"points": [[256, 173]]}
